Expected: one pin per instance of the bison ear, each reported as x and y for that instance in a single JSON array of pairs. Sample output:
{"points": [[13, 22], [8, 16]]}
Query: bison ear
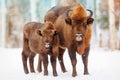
{"points": [[90, 20], [68, 21], [55, 33], [39, 32]]}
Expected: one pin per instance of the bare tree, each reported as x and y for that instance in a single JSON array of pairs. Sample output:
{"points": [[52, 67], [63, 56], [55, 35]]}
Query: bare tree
{"points": [[14, 27], [33, 9], [117, 21], [66, 2], [113, 36], [3, 26]]}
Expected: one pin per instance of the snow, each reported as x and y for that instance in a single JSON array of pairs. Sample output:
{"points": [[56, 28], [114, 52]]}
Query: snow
{"points": [[104, 64]]}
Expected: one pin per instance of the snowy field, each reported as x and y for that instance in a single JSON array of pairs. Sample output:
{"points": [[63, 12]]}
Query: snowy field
{"points": [[104, 64]]}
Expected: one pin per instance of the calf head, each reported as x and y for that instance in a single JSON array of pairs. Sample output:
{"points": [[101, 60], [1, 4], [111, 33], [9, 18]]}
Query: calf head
{"points": [[47, 35], [79, 21]]}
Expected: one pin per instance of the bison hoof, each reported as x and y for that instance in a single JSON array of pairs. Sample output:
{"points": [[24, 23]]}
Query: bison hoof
{"points": [[32, 71], [26, 72], [74, 75], [45, 73], [86, 73], [39, 70], [55, 74], [64, 71]]}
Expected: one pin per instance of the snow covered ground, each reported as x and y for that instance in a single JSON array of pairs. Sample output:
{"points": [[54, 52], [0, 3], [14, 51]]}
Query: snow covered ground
{"points": [[104, 64]]}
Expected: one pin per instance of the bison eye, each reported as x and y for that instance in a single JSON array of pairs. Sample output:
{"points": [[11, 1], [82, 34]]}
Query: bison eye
{"points": [[39, 32], [85, 25]]}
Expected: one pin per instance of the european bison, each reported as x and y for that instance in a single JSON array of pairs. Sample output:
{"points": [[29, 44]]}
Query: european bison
{"points": [[74, 30], [42, 39]]}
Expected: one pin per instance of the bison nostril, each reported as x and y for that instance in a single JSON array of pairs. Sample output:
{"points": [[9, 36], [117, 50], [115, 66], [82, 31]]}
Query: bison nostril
{"points": [[47, 45], [78, 35], [78, 38]]}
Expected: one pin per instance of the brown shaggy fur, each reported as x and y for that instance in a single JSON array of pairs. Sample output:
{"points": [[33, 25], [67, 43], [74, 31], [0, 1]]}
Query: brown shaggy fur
{"points": [[86, 41], [68, 27], [54, 12], [35, 40], [78, 12]]}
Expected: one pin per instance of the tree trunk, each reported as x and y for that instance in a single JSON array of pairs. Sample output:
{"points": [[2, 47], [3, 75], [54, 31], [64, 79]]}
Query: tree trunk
{"points": [[53, 3], [3, 16], [113, 36], [118, 44], [33, 10], [66, 2]]}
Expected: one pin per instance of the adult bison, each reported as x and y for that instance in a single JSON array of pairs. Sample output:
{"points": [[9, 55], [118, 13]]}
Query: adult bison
{"points": [[42, 39], [74, 29]]}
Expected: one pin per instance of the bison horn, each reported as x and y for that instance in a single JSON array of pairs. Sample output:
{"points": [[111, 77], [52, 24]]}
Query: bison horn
{"points": [[91, 13], [67, 13]]}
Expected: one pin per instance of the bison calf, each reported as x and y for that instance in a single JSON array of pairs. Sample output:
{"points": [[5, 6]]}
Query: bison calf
{"points": [[42, 39]]}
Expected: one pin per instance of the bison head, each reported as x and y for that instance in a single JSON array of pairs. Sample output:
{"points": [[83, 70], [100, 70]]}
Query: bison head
{"points": [[79, 21], [47, 34]]}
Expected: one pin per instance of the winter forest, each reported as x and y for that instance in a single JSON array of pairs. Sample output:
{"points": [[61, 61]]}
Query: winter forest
{"points": [[14, 14], [105, 43]]}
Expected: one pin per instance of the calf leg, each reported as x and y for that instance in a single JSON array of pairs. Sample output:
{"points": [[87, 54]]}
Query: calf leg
{"points": [[60, 58], [72, 54], [31, 62], [85, 60], [39, 67], [45, 64], [24, 60], [53, 62], [25, 54]]}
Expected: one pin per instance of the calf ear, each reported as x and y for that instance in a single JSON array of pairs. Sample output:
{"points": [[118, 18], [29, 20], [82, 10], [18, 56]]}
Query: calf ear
{"points": [[55, 33], [90, 20], [39, 32], [68, 21]]}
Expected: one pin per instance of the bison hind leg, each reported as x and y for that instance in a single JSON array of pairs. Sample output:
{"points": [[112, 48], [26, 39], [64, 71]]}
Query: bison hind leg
{"points": [[31, 62], [60, 58], [24, 60], [39, 67]]}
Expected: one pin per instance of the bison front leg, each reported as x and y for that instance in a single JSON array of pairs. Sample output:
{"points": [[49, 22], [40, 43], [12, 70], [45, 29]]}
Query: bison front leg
{"points": [[85, 60], [31, 62], [72, 54], [39, 68], [53, 62], [45, 64], [24, 60], [60, 57]]}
